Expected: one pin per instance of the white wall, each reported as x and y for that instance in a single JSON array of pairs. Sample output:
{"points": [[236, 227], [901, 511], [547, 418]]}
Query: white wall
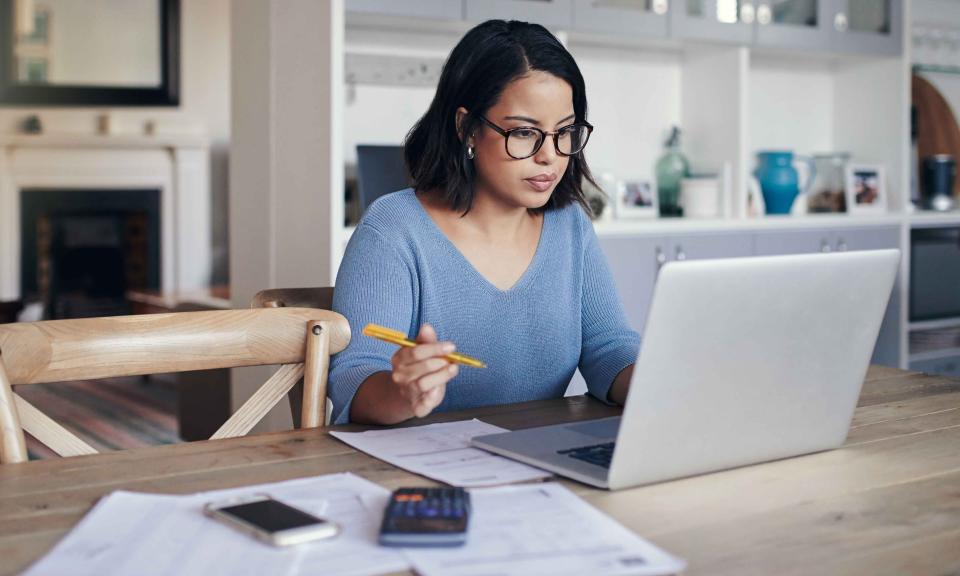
{"points": [[791, 106], [204, 106]]}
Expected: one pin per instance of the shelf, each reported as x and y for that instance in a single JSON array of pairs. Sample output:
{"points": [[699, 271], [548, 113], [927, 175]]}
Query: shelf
{"points": [[642, 226], [936, 69], [917, 326], [935, 355], [930, 218]]}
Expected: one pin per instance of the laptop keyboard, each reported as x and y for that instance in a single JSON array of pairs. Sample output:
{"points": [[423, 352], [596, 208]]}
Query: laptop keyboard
{"points": [[599, 454]]}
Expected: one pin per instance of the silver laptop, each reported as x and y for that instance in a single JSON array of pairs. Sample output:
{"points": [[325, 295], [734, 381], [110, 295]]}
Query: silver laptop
{"points": [[743, 360]]}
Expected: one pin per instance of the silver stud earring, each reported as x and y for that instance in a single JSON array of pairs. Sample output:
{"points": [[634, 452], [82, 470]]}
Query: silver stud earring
{"points": [[471, 152]]}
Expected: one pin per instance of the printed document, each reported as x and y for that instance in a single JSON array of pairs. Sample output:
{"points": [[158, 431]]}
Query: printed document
{"points": [[154, 534], [443, 452], [542, 529]]}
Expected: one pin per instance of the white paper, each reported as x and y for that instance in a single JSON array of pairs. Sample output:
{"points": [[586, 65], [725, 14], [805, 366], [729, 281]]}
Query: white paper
{"points": [[443, 452], [146, 534], [542, 529]]}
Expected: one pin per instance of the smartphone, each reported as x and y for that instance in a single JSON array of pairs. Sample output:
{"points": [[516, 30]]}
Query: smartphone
{"points": [[270, 520]]}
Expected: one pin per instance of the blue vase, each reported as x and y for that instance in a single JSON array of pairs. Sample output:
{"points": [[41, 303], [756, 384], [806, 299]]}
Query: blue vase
{"points": [[778, 179]]}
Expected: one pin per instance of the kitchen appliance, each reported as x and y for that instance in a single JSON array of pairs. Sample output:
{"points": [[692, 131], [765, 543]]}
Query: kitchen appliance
{"points": [[934, 273], [938, 174]]}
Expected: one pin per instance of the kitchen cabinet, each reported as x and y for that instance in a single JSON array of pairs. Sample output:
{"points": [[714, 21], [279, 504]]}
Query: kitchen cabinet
{"points": [[948, 366], [729, 21], [433, 9], [769, 243], [555, 14], [873, 27], [627, 18], [793, 24], [635, 261]]}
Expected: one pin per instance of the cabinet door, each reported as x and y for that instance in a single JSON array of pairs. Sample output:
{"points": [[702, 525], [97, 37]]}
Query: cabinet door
{"points": [[549, 13], [770, 243], [717, 20], [634, 263], [434, 9], [633, 18], [710, 246], [868, 26], [887, 350], [794, 24]]}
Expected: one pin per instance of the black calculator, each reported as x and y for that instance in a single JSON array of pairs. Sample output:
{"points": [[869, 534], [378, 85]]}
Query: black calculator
{"points": [[426, 517]]}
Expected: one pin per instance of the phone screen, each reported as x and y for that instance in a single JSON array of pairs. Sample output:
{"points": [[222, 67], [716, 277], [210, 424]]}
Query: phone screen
{"points": [[271, 515]]}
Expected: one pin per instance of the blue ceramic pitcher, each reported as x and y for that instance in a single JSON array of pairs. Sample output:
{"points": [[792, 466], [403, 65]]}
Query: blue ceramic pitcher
{"points": [[779, 181]]}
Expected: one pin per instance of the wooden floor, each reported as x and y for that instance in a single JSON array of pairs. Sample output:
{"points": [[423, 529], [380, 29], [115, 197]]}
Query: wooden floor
{"points": [[110, 414]]}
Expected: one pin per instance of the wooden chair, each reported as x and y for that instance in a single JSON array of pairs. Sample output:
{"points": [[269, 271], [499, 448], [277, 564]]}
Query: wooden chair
{"points": [[321, 298], [301, 340]]}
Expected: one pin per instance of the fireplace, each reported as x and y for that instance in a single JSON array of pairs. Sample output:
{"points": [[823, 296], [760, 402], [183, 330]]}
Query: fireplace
{"points": [[82, 250]]}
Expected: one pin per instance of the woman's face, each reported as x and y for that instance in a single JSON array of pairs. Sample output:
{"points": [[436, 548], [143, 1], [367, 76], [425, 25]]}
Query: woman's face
{"points": [[537, 99]]}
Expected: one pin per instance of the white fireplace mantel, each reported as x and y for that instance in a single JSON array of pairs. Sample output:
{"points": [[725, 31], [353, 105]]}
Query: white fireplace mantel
{"points": [[177, 166]]}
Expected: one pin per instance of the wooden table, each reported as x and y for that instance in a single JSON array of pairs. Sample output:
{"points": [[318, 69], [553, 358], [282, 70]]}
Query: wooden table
{"points": [[888, 502]]}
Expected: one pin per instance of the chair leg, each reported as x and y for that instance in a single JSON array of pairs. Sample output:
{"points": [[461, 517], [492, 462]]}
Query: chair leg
{"points": [[13, 448]]}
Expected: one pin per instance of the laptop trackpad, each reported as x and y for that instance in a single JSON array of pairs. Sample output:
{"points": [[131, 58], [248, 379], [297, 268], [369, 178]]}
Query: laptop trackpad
{"points": [[605, 428]]}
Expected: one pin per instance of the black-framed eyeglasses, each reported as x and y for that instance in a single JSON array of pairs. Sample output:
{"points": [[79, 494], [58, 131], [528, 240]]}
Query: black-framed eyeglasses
{"points": [[525, 141]]}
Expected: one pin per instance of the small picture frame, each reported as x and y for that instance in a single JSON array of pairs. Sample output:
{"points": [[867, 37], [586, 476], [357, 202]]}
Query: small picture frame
{"points": [[636, 199], [866, 189]]}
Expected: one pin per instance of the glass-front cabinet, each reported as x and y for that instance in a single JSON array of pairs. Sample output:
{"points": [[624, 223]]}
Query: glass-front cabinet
{"points": [[628, 18], [554, 14], [868, 26], [716, 20], [793, 23]]}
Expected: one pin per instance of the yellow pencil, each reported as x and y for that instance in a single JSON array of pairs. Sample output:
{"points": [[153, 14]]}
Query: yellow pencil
{"points": [[400, 339]]}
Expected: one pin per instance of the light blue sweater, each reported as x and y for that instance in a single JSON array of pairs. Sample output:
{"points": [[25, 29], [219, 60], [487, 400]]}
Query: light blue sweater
{"points": [[401, 271]]}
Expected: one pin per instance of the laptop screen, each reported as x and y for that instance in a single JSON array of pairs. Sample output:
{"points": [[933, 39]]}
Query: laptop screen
{"points": [[380, 170]]}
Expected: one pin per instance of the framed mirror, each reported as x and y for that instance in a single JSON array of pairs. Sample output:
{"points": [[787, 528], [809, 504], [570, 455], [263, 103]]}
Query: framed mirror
{"points": [[90, 53]]}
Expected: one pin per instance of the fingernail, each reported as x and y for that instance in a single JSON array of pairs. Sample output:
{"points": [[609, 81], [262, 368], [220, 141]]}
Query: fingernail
{"points": [[452, 368], [448, 348]]}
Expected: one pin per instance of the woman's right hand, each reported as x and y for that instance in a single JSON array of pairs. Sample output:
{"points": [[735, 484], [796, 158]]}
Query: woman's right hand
{"points": [[420, 373]]}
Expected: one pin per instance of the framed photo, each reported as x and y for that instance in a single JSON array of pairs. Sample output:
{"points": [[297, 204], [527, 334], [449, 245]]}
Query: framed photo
{"points": [[636, 199], [866, 189]]}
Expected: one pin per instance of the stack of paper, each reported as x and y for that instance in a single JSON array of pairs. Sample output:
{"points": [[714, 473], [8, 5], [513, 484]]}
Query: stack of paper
{"points": [[542, 529], [443, 452], [146, 534]]}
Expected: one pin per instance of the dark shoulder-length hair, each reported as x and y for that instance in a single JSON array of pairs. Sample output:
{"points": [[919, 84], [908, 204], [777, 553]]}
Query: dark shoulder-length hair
{"points": [[484, 62]]}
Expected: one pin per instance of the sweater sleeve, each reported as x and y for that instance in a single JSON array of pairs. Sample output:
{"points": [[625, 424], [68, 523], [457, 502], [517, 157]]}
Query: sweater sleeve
{"points": [[374, 284], [608, 343]]}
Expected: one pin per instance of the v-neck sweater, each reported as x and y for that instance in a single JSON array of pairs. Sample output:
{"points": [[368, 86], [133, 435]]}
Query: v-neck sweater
{"points": [[401, 271]]}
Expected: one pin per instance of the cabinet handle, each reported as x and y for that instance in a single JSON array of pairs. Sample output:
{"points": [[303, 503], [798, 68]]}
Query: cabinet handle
{"points": [[680, 254], [825, 246], [764, 14], [840, 22], [746, 13], [661, 258], [660, 7], [841, 245]]}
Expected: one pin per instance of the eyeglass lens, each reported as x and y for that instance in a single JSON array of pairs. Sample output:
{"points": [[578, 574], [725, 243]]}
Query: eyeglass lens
{"points": [[526, 142]]}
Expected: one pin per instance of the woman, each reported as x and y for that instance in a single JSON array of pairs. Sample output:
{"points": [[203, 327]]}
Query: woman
{"points": [[491, 248]]}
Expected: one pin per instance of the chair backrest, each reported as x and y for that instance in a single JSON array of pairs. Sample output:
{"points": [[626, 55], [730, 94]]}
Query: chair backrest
{"points": [[299, 339], [321, 298]]}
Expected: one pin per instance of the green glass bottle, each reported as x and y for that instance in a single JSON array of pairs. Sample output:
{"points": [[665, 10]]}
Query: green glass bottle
{"points": [[671, 168]]}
